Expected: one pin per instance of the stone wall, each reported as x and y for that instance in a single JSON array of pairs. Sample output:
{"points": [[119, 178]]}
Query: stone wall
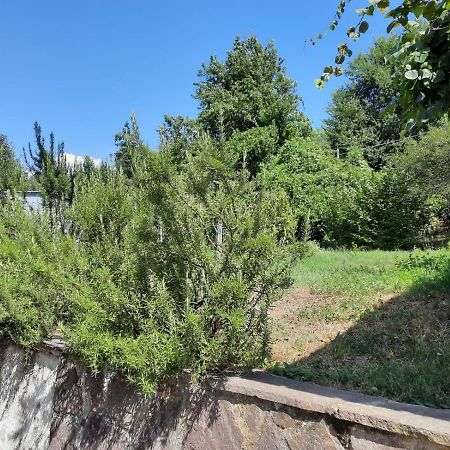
{"points": [[48, 401]]}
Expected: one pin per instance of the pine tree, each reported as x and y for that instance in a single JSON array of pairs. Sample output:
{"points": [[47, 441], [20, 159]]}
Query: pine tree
{"points": [[49, 166]]}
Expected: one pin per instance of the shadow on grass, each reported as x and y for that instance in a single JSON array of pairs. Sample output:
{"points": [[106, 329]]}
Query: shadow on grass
{"points": [[401, 350]]}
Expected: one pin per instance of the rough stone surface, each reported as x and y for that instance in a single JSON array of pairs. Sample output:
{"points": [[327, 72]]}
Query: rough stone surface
{"points": [[26, 395], [51, 402], [375, 412], [367, 439]]}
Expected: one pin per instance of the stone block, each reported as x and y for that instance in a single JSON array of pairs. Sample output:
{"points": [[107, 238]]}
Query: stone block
{"points": [[363, 438]]}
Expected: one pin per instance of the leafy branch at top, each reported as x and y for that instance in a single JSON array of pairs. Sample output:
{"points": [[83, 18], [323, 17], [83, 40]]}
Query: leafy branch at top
{"points": [[424, 73]]}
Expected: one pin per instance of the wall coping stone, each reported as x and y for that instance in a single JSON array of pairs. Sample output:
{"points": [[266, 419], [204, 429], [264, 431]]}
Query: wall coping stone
{"points": [[375, 412]]}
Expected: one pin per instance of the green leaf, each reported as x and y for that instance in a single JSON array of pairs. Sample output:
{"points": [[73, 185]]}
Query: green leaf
{"points": [[319, 83], [411, 74], [361, 11], [374, 2], [383, 6], [392, 25], [363, 27], [422, 57], [418, 11], [370, 10], [339, 59], [426, 73]]}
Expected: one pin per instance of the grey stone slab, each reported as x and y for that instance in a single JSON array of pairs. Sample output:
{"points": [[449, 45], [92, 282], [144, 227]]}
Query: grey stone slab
{"points": [[375, 412]]}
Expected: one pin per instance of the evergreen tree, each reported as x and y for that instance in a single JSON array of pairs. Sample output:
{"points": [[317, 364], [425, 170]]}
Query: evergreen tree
{"points": [[49, 166], [11, 175]]}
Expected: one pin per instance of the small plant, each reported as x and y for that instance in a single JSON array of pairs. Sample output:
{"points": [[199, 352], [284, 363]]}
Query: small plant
{"points": [[430, 261]]}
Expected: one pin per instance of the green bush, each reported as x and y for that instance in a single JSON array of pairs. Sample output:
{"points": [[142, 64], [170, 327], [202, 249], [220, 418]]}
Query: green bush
{"points": [[44, 277], [345, 203], [174, 270]]}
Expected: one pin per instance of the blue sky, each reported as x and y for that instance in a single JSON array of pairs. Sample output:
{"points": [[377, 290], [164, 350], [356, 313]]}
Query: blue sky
{"points": [[80, 67]]}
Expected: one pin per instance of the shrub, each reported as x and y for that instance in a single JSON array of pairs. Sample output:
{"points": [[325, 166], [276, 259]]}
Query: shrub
{"points": [[345, 203], [175, 270]]}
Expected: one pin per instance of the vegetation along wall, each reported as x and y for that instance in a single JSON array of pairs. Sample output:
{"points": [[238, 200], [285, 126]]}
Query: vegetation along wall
{"points": [[49, 401]]}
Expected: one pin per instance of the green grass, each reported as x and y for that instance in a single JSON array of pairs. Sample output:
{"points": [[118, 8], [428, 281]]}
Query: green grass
{"points": [[397, 307]]}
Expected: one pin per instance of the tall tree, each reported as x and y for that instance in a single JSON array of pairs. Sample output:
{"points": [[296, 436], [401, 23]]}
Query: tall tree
{"points": [[49, 166], [130, 147], [249, 89], [358, 116], [11, 174]]}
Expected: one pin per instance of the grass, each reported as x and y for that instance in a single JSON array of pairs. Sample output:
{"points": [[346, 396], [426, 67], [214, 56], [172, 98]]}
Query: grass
{"points": [[388, 317]]}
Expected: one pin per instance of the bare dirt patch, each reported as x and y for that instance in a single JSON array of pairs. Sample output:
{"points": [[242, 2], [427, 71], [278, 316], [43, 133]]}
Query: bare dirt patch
{"points": [[294, 338]]}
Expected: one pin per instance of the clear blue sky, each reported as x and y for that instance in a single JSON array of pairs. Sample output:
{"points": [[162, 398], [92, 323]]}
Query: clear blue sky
{"points": [[80, 67]]}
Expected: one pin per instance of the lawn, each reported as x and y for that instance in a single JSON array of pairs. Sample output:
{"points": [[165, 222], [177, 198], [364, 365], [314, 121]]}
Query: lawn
{"points": [[371, 321]]}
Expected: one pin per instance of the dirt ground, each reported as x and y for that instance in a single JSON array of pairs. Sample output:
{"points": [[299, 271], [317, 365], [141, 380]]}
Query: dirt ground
{"points": [[294, 338]]}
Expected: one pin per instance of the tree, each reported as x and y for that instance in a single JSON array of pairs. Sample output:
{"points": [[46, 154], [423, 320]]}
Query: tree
{"points": [[426, 164], [11, 175], [358, 116], [130, 147], [249, 89], [423, 75], [50, 168], [177, 137]]}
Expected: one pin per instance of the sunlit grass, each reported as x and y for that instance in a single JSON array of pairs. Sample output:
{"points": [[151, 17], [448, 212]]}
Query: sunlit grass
{"points": [[397, 308]]}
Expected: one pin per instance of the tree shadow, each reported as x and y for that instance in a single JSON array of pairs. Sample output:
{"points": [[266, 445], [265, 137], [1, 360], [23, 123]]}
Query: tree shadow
{"points": [[400, 350], [105, 411]]}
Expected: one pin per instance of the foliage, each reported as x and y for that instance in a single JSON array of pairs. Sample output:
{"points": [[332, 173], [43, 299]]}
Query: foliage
{"points": [[178, 137], [249, 89], [431, 261], [43, 276], [103, 207], [130, 147], [11, 175], [253, 147], [343, 202], [421, 58], [174, 271], [424, 49], [426, 163], [358, 116], [50, 168]]}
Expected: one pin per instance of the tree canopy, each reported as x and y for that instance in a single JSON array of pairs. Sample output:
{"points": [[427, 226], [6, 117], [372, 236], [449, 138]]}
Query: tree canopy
{"points": [[249, 89], [357, 113]]}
